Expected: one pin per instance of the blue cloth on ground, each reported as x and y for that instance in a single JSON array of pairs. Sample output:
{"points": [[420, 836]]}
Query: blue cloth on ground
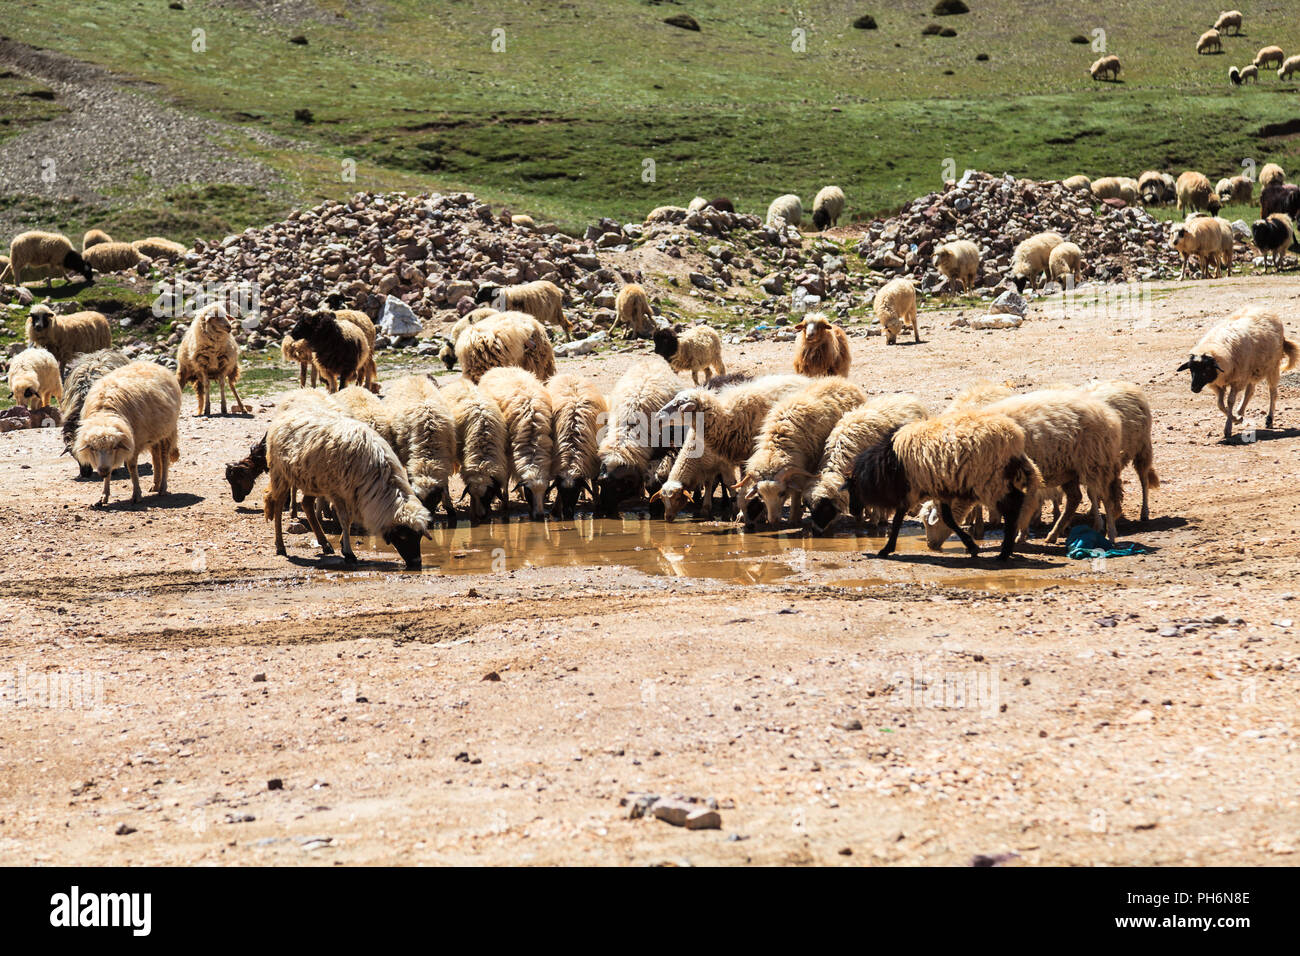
{"points": [[1084, 542]]}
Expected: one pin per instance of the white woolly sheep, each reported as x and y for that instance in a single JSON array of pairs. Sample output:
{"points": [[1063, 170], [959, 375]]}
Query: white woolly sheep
{"points": [[698, 349], [1066, 260], [820, 347], [1156, 187], [959, 261], [156, 247], [633, 439], [1105, 68], [68, 335], [94, 237], [424, 437], [1268, 56], [1248, 73], [1195, 193], [895, 307], [447, 353], [693, 474], [541, 299], [34, 378], [728, 421], [790, 446], [208, 351], [523, 221], [131, 410], [1209, 41], [832, 494], [326, 455], [44, 250], [1032, 258], [633, 307], [828, 206], [1288, 67], [295, 350], [788, 208], [696, 204], [578, 411], [526, 407], [957, 457], [1229, 19], [503, 340], [369, 374], [1208, 239], [1237, 189], [84, 372], [1129, 402], [978, 394], [357, 401], [112, 257], [1271, 173], [481, 444], [1247, 347], [1117, 187], [1078, 183]]}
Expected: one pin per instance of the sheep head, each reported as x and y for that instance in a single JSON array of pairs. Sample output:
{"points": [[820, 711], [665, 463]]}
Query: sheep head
{"points": [[103, 445], [823, 513], [73, 262], [821, 218], [310, 325], [616, 485], [1205, 371], [41, 318], [486, 294], [665, 342]]}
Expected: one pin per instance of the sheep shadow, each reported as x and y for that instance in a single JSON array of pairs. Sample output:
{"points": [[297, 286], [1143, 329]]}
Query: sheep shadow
{"points": [[1262, 434], [68, 290], [168, 502], [959, 560], [1163, 523], [335, 562], [121, 474]]}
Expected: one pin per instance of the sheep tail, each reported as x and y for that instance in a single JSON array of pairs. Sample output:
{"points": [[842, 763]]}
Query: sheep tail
{"points": [[1292, 352]]}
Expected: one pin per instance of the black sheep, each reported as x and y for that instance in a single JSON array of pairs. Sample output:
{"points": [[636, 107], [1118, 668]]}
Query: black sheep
{"points": [[337, 353], [1273, 237], [1279, 197]]}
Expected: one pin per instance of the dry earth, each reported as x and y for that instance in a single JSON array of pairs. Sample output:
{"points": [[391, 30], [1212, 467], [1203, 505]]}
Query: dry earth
{"points": [[1139, 712]]}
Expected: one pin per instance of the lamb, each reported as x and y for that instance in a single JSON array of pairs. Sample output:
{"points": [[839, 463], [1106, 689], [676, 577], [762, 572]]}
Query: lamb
{"points": [[1129, 402], [131, 410], [895, 306], [1279, 197], [480, 446], [94, 237], [788, 208], [1229, 18], [1209, 41], [1032, 258], [1066, 260], [1194, 193], [958, 456], [112, 257], [1209, 239], [690, 475], [209, 351], [296, 350], [34, 378], [526, 407], [84, 372], [1078, 183], [1271, 173], [698, 349], [424, 437], [1248, 346], [1105, 68], [44, 250], [502, 340], [448, 351], [821, 348], [790, 446], [633, 307], [340, 351], [828, 206], [156, 247], [1287, 68], [1116, 187], [1156, 187], [541, 299], [832, 493], [326, 455], [68, 335], [578, 409], [1273, 237], [1268, 56], [959, 261], [634, 437], [1249, 72], [1237, 189]]}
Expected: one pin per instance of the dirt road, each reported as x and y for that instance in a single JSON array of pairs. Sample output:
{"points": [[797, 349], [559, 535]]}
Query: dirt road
{"points": [[237, 707]]}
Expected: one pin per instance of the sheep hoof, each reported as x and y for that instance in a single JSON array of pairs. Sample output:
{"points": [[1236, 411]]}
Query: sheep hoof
{"points": [[282, 552], [884, 552], [349, 559]]}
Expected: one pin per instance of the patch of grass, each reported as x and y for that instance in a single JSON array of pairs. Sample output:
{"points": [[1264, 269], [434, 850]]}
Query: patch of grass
{"points": [[26, 103]]}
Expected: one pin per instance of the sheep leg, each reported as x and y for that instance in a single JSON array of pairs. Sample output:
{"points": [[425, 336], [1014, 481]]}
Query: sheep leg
{"points": [[945, 511], [302, 375], [345, 543], [133, 466], [1241, 409], [104, 498], [156, 453], [221, 383], [894, 528], [450, 506], [1072, 498], [1227, 411], [277, 507], [695, 377], [1272, 397], [796, 508], [1010, 507], [916, 325], [239, 402], [315, 379], [313, 521]]}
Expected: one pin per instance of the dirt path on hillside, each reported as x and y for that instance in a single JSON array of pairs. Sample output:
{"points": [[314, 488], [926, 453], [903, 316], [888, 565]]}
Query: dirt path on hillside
{"points": [[496, 707]]}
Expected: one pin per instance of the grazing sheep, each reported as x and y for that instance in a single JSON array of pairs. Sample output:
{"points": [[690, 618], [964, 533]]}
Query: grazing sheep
{"points": [[68, 335], [790, 446], [326, 455], [131, 410], [698, 349], [1207, 238], [503, 340], [526, 407], [1290, 66], [578, 411], [1273, 237], [1271, 173], [1280, 197], [691, 475], [956, 457], [295, 350], [1066, 260], [243, 474], [894, 307], [424, 437], [84, 372], [1105, 68], [34, 378], [156, 247], [208, 351], [820, 348], [1229, 18], [94, 237], [1209, 41], [1129, 402], [959, 261], [787, 207], [979, 394], [1248, 346], [481, 444], [542, 300], [634, 438], [1032, 257], [112, 257], [1248, 73], [1156, 187], [1195, 193], [447, 354], [1237, 189], [832, 494], [44, 250], [1117, 187], [1268, 56], [828, 206], [722, 204], [633, 307], [1078, 183], [340, 351]]}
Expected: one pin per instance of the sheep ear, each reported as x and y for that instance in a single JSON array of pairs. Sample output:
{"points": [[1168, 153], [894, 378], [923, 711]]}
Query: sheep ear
{"points": [[1185, 366], [801, 326]]}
